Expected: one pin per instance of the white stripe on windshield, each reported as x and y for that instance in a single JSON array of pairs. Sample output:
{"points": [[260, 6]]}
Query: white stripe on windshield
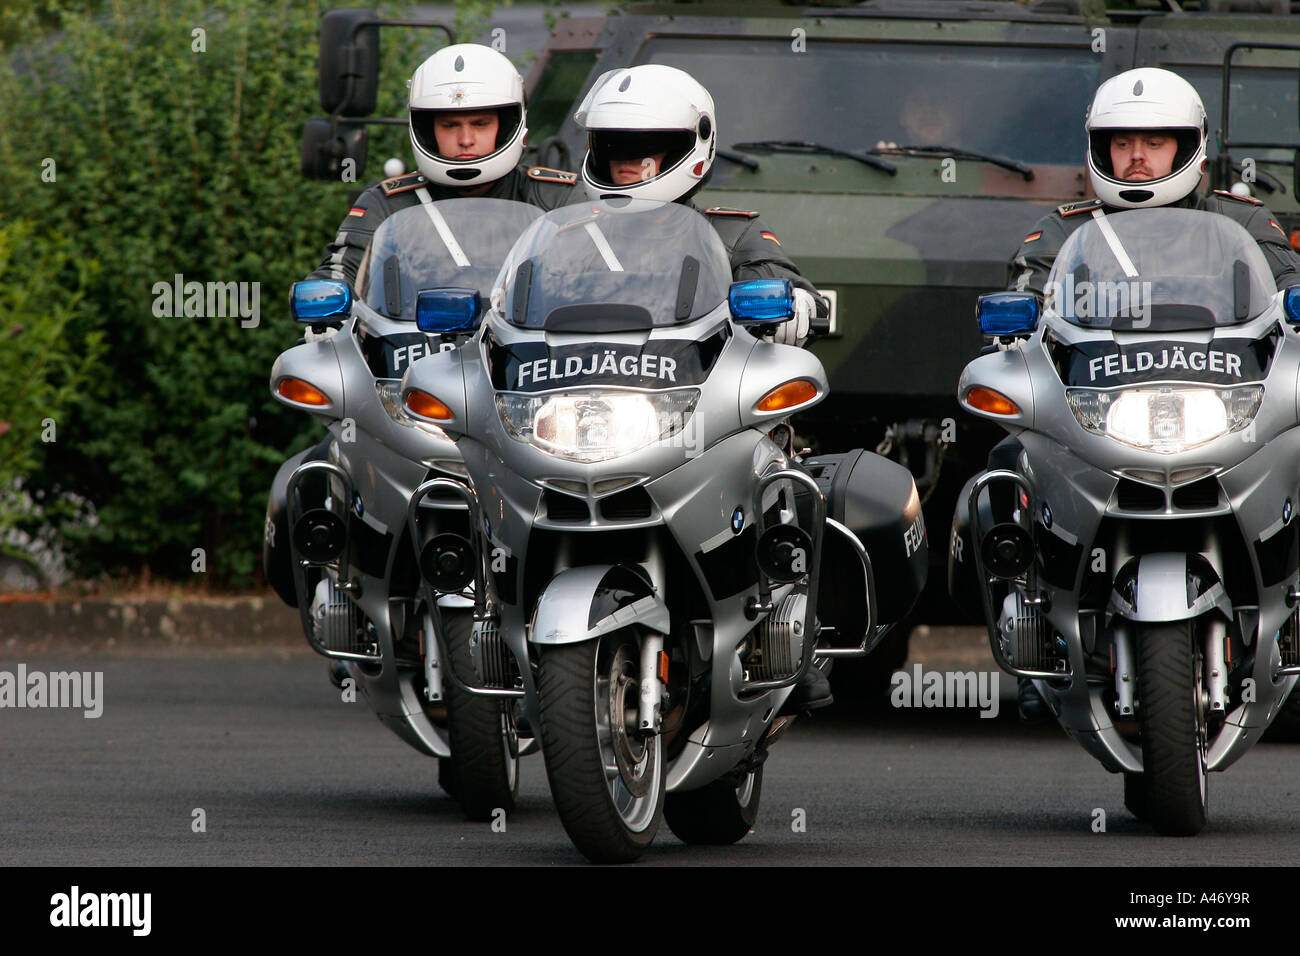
{"points": [[1116, 246], [444, 231], [606, 251]]}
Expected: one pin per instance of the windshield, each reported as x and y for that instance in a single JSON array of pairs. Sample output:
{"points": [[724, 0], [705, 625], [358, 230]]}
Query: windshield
{"points": [[615, 266], [1021, 102], [1159, 270], [456, 243]]}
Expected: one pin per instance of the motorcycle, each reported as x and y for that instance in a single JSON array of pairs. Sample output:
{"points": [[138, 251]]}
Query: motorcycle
{"points": [[1134, 549], [653, 567], [341, 544]]}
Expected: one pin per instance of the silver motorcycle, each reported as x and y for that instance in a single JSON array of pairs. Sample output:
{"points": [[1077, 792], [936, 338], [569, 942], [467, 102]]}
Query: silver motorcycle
{"points": [[1134, 547], [341, 544], [649, 555]]}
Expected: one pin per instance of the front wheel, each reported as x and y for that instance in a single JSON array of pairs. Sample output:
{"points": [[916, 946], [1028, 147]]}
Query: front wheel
{"points": [[606, 780], [718, 814], [483, 770], [1171, 713]]}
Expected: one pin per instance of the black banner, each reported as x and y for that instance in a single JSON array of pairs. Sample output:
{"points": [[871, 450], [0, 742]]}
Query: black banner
{"points": [[389, 356], [658, 363], [1108, 364]]}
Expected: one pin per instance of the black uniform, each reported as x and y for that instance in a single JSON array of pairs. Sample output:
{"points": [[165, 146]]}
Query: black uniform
{"points": [[755, 252], [538, 185], [1028, 269]]}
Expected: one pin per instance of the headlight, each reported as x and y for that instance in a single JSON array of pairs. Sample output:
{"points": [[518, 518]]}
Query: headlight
{"points": [[1167, 419], [390, 396], [594, 424]]}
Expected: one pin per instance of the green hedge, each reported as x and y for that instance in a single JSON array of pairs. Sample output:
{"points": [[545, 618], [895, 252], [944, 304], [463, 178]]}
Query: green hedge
{"points": [[128, 147]]}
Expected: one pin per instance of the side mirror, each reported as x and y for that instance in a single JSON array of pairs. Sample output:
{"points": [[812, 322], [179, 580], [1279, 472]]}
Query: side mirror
{"points": [[320, 301], [1291, 303], [327, 145], [349, 62], [1007, 313], [447, 310], [761, 301]]}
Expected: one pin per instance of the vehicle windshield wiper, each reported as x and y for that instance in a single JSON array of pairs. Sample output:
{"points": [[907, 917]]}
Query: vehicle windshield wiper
{"points": [[800, 146], [945, 151], [749, 162]]}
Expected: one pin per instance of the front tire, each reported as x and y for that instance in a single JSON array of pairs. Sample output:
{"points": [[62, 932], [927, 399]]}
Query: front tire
{"points": [[1172, 719], [484, 776], [607, 783], [718, 814]]}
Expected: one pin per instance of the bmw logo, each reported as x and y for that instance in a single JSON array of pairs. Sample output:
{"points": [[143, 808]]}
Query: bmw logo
{"points": [[738, 521], [357, 505], [1286, 512], [1047, 516]]}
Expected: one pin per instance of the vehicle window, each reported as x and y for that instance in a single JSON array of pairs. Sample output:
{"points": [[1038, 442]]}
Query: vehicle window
{"points": [[1265, 104], [1012, 101], [553, 100]]}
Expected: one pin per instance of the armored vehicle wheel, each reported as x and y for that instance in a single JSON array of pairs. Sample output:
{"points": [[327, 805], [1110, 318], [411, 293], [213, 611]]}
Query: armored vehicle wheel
{"points": [[484, 748], [1171, 713]]}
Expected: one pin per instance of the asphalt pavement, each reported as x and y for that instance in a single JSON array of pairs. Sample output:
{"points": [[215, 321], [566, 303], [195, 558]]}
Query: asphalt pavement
{"points": [[285, 772]]}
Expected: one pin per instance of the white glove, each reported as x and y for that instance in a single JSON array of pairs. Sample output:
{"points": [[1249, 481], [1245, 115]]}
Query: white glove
{"points": [[795, 331], [311, 335]]}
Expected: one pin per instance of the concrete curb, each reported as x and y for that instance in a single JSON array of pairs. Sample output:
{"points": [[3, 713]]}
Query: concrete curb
{"points": [[152, 626]]}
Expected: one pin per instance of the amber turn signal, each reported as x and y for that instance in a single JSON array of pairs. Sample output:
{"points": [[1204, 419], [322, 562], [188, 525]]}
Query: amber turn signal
{"points": [[788, 395], [426, 406], [304, 393], [987, 400]]}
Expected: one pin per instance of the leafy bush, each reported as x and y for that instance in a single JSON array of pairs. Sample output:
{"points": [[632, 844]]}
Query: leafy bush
{"points": [[160, 139]]}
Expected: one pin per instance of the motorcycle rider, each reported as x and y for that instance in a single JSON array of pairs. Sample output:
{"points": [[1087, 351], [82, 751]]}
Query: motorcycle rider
{"points": [[652, 134], [467, 126], [1146, 149]]}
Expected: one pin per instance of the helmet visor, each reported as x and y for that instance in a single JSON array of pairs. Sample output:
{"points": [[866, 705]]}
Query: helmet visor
{"points": [[606, 146], [424, 127], [1189, 143]]}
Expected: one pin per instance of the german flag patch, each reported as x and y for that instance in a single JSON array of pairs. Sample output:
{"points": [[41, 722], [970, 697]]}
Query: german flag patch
{"points": [[768, 235], [356, 211], [1032, 236]]}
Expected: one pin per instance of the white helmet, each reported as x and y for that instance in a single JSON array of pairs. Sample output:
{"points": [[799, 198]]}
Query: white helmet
{"points": [[644, 111], [467, 77], [1146, 99]]}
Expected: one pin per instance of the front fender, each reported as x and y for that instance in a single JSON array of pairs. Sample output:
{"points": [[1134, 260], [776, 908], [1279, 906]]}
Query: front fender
{"points": [[581, 603], [1168, 586]]}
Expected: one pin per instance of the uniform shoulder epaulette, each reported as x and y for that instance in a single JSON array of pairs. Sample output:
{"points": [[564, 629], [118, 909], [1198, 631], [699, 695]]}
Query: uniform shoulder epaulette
{"points": [[1074, 208], [401, 184], [1227, 195], [725, 211], [544, 174]]}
